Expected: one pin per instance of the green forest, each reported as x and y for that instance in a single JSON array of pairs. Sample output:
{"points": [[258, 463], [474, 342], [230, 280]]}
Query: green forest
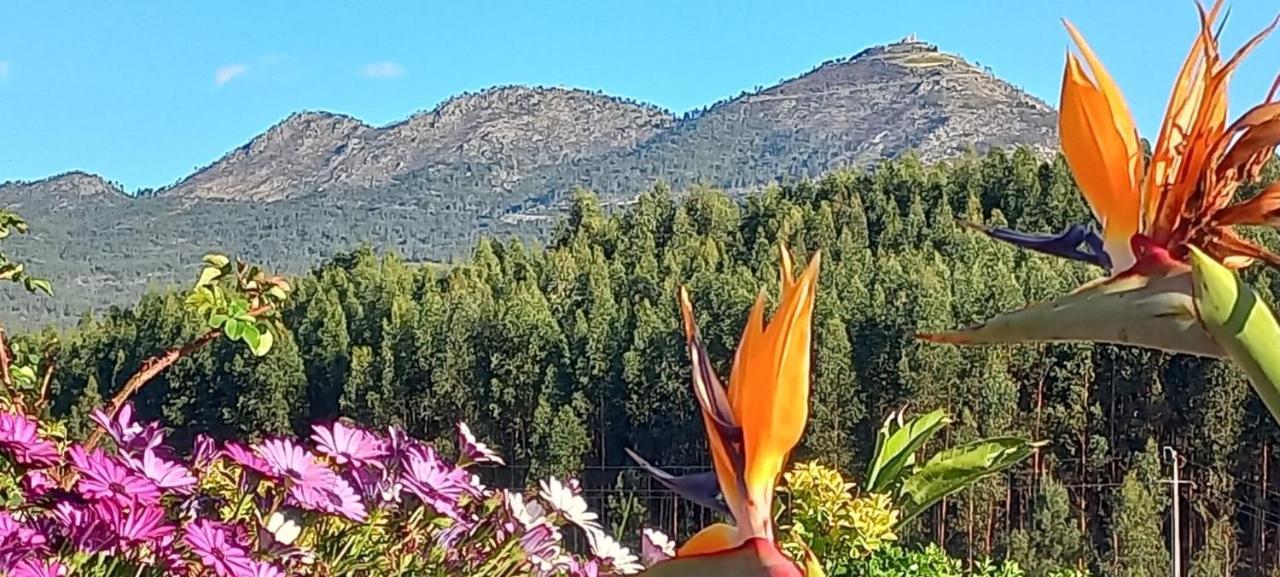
{"points": [[566, 353]]}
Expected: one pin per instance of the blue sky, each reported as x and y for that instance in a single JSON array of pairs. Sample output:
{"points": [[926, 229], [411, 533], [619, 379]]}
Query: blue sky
{"points": [[143, 92]]}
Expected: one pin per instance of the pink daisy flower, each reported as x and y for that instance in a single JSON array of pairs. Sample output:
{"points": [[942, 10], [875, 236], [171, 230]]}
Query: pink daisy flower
{"points": [[213, 543], [103, 477], [37, 568], [349, 445], [247, 458], [20, 438], [166, 474]]}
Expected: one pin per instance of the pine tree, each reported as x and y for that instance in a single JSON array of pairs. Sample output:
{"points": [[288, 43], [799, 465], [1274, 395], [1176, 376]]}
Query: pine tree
{"points": [[1054, 541], [1216, 558], [79, 426], [1137, 520], [837, 404]]}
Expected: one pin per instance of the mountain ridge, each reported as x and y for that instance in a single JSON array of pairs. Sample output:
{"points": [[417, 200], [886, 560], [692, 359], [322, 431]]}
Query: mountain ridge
{"points": [[501, 162]]}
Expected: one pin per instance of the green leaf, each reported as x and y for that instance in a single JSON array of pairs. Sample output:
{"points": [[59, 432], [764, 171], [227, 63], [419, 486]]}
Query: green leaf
{"points": [[238, 307], [896, 445], [24, 374], [277, 293], [216, 260], [957, 468], [216, 320], [250, 334], [34, 284], [233, 329], [265, 341], [9, 271], [208, 275], [1241, 323]]}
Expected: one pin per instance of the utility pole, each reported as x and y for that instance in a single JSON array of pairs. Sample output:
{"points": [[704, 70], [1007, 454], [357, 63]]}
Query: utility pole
{"points": [[1175, 538]]}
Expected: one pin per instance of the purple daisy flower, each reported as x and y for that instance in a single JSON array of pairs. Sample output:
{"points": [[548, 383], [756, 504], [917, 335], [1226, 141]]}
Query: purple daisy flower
{"points": [[37, 568], [247, 458], [18, 540], [438, 484], [204, 452], [589, 568], [341, 499], [121, 429], [167, 475], [20, 438], [83, 526], [655, 547], [102, 477], [130, 437], [139, 524], [450, 537], [36, 485], [380, 485], [212, 542], [346, 444], [541, 545], [400, 444], [264, 569], [287, 460], [473, 450], [169, 556]]}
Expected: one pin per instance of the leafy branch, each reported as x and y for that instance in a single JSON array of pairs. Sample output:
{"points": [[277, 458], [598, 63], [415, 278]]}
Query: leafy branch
{"points": [[19, 362], [14, 271], [234, 299]]}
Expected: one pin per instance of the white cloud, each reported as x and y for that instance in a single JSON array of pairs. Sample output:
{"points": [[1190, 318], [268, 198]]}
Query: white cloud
{"points": [[382, 70], [4, 69], [227, 73]]}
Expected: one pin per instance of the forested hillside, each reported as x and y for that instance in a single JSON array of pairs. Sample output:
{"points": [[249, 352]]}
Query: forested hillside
{"points": [[564, 356]]}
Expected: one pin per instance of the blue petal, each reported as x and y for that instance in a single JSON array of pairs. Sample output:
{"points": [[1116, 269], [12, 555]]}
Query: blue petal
{"points": [[1075, 243], [701, 488]]}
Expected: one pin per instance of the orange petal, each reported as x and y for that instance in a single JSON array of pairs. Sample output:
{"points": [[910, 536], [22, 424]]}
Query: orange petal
{"points": [[1260, 133], [1111, 129], [712, 539], [776, 397], [1209, 196], [1184, 103], [788, 276], [752, 335], [1095, 154], [1262, 209], [1236, 252]]}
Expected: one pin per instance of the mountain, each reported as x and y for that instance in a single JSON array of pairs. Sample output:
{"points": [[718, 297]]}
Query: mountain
{"points": [[851, 112], [498, 162], [513, 129], [66, 186]]}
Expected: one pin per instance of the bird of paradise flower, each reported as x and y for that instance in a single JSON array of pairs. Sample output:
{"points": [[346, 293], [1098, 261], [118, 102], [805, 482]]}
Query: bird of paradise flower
{"points": [[1152, 212], [752, 426]]}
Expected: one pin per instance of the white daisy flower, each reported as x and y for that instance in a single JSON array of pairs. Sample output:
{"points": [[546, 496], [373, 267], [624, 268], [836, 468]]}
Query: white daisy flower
{"points": [[655, 547], [527, 513], [569, 504], [474, 450], [621, 559]]}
